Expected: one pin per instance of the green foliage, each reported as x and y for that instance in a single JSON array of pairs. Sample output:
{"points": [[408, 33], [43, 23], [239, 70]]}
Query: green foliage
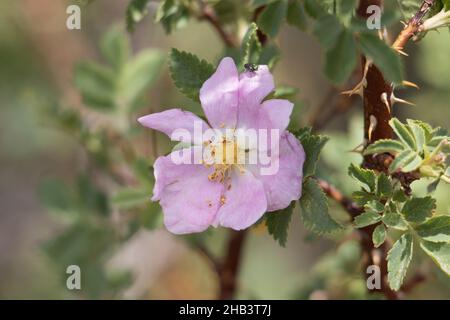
{"points": [[439, 252], [379, 235], [121, 84], [314, 209], [436, 229], [189, 72], [278, 223], [296, 15], [398, 259], [250, 47], [272, 17], [364, 176], [341, 59], [172, 14], [420, 147], [383, 56], [366, 219], [313, 145], [418, 209]]}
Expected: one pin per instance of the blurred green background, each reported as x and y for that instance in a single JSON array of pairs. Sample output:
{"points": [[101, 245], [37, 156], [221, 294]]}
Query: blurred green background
{"points": [[37, 58]]}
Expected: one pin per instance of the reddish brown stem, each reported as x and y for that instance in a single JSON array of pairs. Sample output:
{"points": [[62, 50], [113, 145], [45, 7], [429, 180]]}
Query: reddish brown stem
{"points": [[230, 268], [209, 15]]}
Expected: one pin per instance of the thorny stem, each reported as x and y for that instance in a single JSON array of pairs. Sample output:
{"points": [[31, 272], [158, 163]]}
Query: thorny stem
{"points": [[376, 126], [413, 25]]}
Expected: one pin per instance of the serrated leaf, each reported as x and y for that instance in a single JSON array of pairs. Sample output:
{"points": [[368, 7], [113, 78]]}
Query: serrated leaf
{"points": [[296, 15], [382, 55], [375, 206], [272, 17], [393, 219], [403, 133], [364, 176], [412, 162], [366, 219], [439, 252], [402, 159], [399, 196], [384, 145], [418, 134], [314, 209], [312, 144], [379, 235], [250, 47], [418, 209], [341, 59], [189, 72], [435, 229], [384, 185], [278, 224], [362, 197], [327, 30], [399, 258]]}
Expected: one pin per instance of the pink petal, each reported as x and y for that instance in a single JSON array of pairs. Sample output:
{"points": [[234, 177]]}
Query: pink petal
{"points": [[244, 203], [189, 200], [219, 95], [275, 114], [253, 88], [286, 185], [171, 121]]}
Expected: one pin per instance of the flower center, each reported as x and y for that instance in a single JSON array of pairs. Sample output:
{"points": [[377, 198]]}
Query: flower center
{"points": [[223, 152]]}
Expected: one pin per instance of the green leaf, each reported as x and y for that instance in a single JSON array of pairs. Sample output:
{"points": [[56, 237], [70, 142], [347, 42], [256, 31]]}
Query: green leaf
{"points": [[115, 48], [140, 73], [136, 11], [408, 160], [341, 59], [436, 229], [399, 196], [362, 197], [314, 209], [403, 133], [250, 47], [418, 209], [364, 176], [312, 144], [128, 197], [382, 55], [278, 224], [439, 252], [327, 30], [366, 219], [379, 235], [375, 206], [393, 219], [418, 134], [272, 17], [189, 72], [313, 8], [399, 258], [384, 145], [172, 14], [384, 185], [96, 84], [296, 15]]}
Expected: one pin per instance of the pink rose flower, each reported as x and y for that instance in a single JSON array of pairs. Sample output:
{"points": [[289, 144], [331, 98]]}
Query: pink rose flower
{"points": [[225, 191]]}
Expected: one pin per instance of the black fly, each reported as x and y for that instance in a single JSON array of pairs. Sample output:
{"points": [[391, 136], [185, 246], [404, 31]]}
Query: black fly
{"points": [[251, 67]]}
